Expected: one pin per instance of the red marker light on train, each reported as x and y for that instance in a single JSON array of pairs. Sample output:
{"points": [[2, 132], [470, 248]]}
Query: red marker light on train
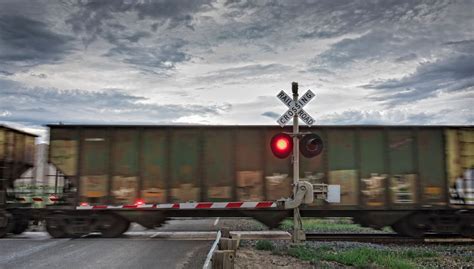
{"points": [[281, 145], [84, 204], [139, 202]]}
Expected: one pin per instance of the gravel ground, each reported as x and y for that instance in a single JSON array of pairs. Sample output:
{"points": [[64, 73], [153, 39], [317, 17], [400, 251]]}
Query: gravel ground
{"points": [[248, 258], [242, 224]]}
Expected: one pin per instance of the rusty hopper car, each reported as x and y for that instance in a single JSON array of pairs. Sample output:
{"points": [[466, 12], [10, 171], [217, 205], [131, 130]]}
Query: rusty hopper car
{"points": [[16, 156], [416, 179]]}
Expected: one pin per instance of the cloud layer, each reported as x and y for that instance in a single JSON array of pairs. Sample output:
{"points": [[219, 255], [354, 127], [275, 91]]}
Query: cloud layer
{"points": [[223, 61]]}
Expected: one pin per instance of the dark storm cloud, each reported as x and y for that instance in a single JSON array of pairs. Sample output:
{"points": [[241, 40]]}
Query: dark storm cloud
{"points": [[5, 73], [158, 57], [90, 16], [40, 106], [445, 75], [27, 42], [463, 46], [378, 44], [327, 19], [271, 114], [407, 57], [369, 46]]}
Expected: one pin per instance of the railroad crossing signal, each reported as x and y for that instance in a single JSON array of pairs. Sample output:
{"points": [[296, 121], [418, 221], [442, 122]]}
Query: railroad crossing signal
{"points": [[282, 144], [295, 108], [311, 145]]}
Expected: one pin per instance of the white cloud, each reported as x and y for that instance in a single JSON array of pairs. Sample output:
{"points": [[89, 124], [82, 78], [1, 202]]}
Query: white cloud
{"points": [[222, 62]]}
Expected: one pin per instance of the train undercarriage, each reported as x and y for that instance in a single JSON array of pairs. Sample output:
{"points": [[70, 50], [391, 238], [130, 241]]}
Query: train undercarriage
{"points": [[61, 222]]}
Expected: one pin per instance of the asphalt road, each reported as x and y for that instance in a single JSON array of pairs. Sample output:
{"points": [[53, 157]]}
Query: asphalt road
{"points": [[139, 248]]}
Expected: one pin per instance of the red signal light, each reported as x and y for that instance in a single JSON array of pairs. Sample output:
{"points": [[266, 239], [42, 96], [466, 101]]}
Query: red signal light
{"points": [[281, 145]]}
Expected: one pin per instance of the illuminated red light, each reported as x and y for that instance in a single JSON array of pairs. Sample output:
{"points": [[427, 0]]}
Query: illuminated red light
{"points": [[281, 145], [84, 204], [139, 202]]}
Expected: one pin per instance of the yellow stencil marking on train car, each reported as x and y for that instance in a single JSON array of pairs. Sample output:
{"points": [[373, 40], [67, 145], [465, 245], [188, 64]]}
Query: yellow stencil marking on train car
{"points": [[433, 190]]}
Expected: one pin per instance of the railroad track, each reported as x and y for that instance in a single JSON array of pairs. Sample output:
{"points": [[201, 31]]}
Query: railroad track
{"points": [[390, 238]]}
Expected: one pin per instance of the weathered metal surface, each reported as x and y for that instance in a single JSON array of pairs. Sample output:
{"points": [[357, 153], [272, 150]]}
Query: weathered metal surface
{"points": [[342, 164], [16, 152], [16, 146], [30, 149], [63, 150], [2, 142], [94, 165], [394, 167], [373, 173], [184, 159], [460, 165], [431, 166], [125, 166], [218, 164], [403, 187], [249, 164], [154, 145]]}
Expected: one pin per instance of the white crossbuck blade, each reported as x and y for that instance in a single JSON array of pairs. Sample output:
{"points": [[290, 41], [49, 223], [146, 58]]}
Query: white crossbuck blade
{"points": [[295, 108]]}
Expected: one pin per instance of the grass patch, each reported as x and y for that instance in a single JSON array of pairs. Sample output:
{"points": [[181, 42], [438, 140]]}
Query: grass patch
{"points": [[264, 245], [362, 257], [328, 225]]}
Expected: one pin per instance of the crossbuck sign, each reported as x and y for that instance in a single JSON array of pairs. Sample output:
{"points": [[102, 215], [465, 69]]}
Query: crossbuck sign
{"points": [[295, 108]]}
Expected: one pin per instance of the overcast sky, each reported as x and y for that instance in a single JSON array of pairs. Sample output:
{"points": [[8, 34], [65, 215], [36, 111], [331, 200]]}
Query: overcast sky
{"points": [[223, 62]]}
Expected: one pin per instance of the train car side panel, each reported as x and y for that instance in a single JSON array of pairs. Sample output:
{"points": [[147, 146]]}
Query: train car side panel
{"points": [[2, 142], [125, 166], [249, 164], [154, 168], [95, 170], [460, 165], [342, 164], [63, 147], [218, 164], [403, 169], [431, 167], [185, 165], [373, 171]]}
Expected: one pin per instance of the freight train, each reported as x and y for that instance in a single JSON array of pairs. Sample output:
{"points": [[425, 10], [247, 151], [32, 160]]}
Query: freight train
{"points": [[16, 156], [415, 179]]}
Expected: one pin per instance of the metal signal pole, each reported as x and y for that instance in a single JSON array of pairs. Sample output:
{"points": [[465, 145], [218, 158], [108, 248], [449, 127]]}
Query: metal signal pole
{"points": [[298, 233]]}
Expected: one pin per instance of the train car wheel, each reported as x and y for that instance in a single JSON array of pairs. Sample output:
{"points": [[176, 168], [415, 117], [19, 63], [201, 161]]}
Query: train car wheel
{"points": [[20, 227], [467, 230], [406, 228], [3, 232], [55, 226], [113, 225], [21, 223], [6, 223]]}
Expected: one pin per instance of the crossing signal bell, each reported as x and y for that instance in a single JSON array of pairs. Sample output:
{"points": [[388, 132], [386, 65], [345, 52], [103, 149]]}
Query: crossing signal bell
{"points": [[281, 145], [311, 145]]}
